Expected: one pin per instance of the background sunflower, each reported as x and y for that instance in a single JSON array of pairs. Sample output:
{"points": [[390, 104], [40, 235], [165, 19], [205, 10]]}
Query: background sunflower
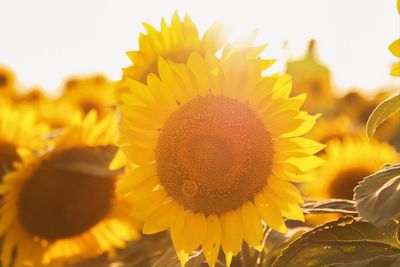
{"points": [[19, 128], [347, 162], [175, 42], [60, 206]]}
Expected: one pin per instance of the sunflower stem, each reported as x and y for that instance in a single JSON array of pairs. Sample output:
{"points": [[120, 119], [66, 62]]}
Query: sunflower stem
{"points": [[246, 257]]}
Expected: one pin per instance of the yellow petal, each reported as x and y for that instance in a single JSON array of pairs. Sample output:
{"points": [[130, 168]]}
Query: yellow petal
{"points": [[298, 144], [306, 164], [306, 126], [270, 214], [177, 236], [396, 70], [398, 6], [231, 235], [161, 219], [136, 177], [212, 240], [251, 225], [198, 66], [293, 177], [289, 210], [139, 94], [395, 48], [283, 86], [160, 93], [215, 36], [139, 155], [144, 205], [187, 77], [282, 124], [194, 231], [266, 63], [118, 161], [171, 82], [285, 189]]}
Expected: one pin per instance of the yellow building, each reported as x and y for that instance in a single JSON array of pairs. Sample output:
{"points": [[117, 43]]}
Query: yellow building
{"points": [[312, 78]]}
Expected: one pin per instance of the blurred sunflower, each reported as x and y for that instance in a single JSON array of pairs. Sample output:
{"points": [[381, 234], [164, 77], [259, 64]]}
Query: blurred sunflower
{"points": [[19, 128], [333, 128], [33, 97], [175, 43], [61, 206], [7, 81], [214, 147], [353, 104], [53, 112], [346, 163], [90, 93]]}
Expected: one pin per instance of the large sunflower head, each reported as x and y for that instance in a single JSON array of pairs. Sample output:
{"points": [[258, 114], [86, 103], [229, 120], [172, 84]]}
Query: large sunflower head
{"points": [[61, 206], [7, 81], [19, 128], [347, 162], [175, 42], [214, 147]]}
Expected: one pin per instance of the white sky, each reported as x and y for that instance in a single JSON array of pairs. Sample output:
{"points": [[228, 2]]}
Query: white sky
{"points": [[45, 41]]}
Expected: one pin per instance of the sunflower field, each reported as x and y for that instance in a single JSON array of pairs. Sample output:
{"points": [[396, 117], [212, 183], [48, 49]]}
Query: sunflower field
{"points": [[195, 157]]}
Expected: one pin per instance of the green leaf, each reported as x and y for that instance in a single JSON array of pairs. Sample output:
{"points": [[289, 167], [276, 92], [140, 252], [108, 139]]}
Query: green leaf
{"points": [[381, 113], [343, 206], [343, 241], [387, 261], [277, 242], [378, 195]]}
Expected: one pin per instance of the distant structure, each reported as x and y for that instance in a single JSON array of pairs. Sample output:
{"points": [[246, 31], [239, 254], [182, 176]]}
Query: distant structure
{"points": [[312, 78]]}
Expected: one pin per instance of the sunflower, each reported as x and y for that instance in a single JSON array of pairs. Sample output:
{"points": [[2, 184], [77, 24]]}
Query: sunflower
{"points": [[175, 43], [214, 147], [90, 93], [333, 128], [7, 81], [346, 163], [61, 206], [32, 97], [53, 112], [353, 104], [19, 128]]}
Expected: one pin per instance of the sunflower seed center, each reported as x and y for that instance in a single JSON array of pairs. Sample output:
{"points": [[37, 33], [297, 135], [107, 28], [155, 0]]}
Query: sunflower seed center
{"points": [[213, 154], [343, 184], [58, 202]]}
